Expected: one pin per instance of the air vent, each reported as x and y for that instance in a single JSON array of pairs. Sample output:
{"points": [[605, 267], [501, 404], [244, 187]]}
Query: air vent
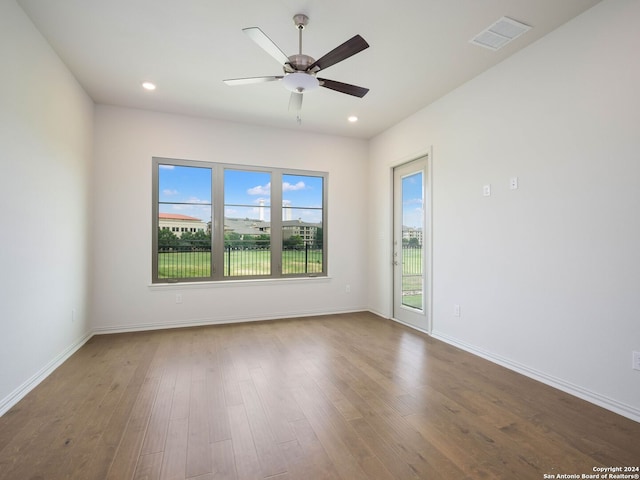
{"points": [[500, 33]]}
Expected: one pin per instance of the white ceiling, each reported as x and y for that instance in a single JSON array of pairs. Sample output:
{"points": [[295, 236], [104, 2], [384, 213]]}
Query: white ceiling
{"points": [[419, 51]]}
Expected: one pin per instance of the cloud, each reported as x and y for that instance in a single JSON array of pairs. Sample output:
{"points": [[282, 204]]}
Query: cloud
{"points": [[413, 217], [168, 191], [266, 189], [167, 167], [260, 190], [287, 187], [193, 203], [197, 200]]}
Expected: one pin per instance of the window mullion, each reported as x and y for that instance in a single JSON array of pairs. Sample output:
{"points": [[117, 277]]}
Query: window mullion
{"points": [[276, 224], [217, 222]]}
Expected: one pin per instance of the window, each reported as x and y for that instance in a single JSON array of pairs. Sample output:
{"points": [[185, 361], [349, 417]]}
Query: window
{"points": [[302, 232], [247, 220], [214, 221], [182, 196]]}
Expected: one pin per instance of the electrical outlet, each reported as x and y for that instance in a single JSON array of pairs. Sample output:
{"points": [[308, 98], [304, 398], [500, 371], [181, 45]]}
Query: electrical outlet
{"points": [[513, 183], [636, 361], [456, 310], [486, 190], [347, 289], [178, 298]]}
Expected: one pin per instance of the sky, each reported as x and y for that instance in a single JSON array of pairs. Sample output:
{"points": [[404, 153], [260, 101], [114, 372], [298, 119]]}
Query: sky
{"points": [[187, 191], [412, 201]]}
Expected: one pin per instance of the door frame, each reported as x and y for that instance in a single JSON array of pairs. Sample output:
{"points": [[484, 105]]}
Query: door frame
{"points": [[427, 238]]}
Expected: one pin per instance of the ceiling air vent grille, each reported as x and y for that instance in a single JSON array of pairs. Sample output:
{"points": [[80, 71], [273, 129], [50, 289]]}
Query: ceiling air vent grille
{"points": [[500, 33]]}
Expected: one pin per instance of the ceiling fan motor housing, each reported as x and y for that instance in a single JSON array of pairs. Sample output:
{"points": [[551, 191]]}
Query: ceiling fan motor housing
{"points": [[298, 63]]}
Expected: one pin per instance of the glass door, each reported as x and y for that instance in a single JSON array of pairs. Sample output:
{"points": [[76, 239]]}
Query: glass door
{"points": [[410, 243]]}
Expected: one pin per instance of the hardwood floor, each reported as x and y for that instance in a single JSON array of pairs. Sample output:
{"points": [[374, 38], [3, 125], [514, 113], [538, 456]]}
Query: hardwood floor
{"points": [[337, 397]]}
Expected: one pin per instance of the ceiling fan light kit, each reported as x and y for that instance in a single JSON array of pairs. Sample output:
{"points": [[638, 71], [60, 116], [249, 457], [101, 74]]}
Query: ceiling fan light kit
{"points": [[300, 82], [299, 69]]}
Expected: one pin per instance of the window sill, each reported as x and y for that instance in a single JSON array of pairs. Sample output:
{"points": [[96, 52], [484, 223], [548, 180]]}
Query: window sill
{"points": [[238, 283]]}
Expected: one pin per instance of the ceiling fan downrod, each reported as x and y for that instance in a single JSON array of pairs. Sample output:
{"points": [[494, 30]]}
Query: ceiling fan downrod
{"points": [[300, 21]]}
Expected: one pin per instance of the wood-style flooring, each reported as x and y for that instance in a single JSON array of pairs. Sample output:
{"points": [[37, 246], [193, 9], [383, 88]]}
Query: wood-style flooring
{"points": [[346, 397]]}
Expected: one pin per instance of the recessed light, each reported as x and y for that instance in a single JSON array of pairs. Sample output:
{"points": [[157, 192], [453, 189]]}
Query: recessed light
{"points": [[148, 86], [353, 119]]}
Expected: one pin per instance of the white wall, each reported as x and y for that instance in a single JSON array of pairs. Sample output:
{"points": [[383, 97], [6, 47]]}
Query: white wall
{"points": [[45, 157], [125, 142], [547, 275]]}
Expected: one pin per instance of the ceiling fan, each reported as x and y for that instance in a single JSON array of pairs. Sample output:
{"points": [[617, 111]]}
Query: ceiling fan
{"points": [[300, 70]]}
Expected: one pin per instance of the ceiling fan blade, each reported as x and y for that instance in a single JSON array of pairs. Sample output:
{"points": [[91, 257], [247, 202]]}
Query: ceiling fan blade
{"points": [[247, 81], [264, 42], [347, 49], [295, 101], [344, 87]]}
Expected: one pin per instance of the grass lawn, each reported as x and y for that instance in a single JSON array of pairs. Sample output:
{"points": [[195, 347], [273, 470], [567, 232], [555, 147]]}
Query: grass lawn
{"points": [[414, 301], [237, 263], [412, 277], [184, 264]]}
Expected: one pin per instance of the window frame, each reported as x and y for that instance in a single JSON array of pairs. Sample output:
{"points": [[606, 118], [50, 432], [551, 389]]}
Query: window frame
{"points": [[216, 273]]}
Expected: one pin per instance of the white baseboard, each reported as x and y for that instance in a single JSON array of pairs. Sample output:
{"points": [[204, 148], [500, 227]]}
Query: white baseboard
{"points": [[199, 322], [14, 397], [592, 397], [613, 405], [607, 403], [380, 314]]}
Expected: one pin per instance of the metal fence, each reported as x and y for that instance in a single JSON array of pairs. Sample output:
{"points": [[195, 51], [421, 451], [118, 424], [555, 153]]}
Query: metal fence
{"points": [[184, 259], [193, 260], [412, 275]]}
